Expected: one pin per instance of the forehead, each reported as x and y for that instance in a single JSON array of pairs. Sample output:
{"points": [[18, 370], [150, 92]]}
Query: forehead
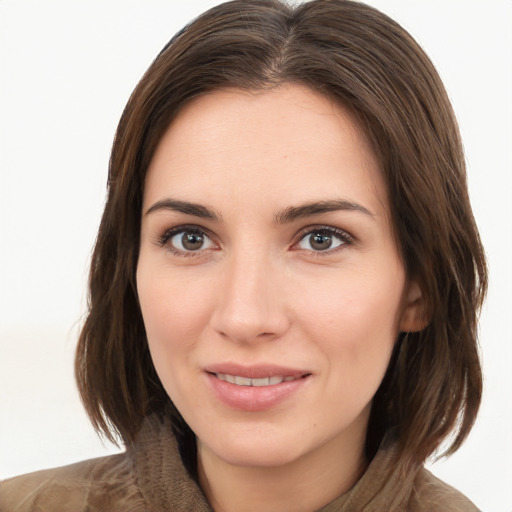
{"points": [[283, 145]]}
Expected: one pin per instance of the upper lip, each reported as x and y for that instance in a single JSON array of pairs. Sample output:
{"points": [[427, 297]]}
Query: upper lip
{"points": [[255, 371]]}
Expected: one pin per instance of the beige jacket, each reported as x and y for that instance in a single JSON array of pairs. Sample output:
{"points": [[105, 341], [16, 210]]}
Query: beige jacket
{"points": [[150, 477]]}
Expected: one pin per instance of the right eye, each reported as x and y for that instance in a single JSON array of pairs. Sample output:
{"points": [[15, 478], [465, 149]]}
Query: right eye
{"points": [[185, 241]]}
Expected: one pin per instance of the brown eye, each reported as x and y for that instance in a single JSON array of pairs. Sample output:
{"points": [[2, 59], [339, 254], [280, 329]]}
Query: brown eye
{"points": [[192, 241], [324, 239], [187, 240], [320, 242]]}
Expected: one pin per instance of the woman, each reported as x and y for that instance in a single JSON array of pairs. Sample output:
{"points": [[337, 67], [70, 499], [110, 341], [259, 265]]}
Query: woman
{"points": [[285, 284]]}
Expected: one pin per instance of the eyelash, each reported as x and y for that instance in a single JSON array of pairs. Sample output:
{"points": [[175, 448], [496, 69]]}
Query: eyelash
{"points": [[345, 238], [164, 238]]}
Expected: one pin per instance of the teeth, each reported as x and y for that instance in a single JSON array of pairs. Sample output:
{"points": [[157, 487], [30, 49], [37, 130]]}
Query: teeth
{"points": [[246, 381], [260, 382], [242, 381]]}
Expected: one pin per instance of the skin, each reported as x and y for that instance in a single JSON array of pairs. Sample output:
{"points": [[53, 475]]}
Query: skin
{"points": [[259, 291]]}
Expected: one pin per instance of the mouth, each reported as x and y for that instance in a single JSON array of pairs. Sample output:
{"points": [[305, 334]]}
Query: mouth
{"points": [[256, 388], [240, 380]]}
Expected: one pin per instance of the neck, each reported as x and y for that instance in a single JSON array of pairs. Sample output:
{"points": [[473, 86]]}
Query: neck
{"points": [[305, 484]]}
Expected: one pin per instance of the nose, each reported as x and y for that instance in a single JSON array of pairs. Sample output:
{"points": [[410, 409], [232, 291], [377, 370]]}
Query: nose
{"points": [[251, 304]]}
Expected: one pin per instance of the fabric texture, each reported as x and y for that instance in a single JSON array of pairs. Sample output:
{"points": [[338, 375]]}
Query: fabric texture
{"points": [[150, 477]]}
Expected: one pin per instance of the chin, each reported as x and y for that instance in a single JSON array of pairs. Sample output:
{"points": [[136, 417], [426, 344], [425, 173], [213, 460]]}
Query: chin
{"points": [[256, 454], [253, 447]]}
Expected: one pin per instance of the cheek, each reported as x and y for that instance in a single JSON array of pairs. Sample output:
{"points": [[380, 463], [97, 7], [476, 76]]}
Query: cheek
{"points": [[354, 321], [174, 314], [175, 311], [355, 302]]}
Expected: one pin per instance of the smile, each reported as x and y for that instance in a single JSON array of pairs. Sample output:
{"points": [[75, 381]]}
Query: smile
{"points": [[256, 388], [246, 381]]}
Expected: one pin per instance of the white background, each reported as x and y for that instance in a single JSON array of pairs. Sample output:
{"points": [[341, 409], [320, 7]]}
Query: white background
{"points": [[66, 70]]}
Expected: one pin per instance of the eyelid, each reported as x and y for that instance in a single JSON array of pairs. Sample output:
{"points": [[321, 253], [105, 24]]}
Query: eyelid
{"points": [[168, 234], [342, 234]]}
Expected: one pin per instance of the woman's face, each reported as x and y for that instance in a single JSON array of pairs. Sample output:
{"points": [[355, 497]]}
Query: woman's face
{"points": [[270, 283]]}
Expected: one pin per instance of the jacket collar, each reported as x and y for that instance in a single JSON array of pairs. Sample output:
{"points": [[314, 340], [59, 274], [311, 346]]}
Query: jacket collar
{"points": [[166, 485]]}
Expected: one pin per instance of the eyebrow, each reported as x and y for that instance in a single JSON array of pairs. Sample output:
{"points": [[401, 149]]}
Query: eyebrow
{"points": [[197, 210], [315, 208], [285, 216]]}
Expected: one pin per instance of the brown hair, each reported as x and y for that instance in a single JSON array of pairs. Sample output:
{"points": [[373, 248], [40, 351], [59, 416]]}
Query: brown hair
{"points": [[356, 55]]}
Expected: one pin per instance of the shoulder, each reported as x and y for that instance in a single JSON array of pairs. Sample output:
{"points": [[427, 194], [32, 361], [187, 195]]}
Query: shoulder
{"points": [[95, 484], [430, 494]]}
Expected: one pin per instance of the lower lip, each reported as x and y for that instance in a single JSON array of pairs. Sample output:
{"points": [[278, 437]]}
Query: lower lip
{"points": [[254, 398]]}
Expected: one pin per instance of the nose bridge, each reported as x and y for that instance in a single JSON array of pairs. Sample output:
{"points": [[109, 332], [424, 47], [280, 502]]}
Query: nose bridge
{"points": [[250, 304]]}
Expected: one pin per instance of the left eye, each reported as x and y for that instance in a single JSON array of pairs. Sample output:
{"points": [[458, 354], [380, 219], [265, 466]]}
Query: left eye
{"points": [[322, 240], [189, 240]]}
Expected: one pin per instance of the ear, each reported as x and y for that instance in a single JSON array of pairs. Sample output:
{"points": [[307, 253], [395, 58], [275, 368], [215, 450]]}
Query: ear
{"points": [[415, 316]]}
